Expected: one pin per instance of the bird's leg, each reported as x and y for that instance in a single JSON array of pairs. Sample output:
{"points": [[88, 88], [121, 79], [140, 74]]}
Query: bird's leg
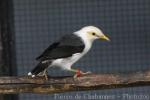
{"points": [[45, 74], [79, 72]]}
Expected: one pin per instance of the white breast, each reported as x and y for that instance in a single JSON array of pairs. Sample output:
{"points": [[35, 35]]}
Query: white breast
{"points": [[66, 63]]}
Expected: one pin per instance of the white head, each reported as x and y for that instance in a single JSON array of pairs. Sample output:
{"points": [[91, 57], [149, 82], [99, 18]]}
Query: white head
{"points": [[92, 33]]}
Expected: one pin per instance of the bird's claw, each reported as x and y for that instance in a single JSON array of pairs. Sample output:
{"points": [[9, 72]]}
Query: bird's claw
{"points": [[80, 73], [44, 74], [46, 77], [85, 73]]}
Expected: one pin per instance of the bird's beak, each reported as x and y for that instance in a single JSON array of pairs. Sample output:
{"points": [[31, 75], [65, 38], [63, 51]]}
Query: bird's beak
{"points": [[104, 38]]}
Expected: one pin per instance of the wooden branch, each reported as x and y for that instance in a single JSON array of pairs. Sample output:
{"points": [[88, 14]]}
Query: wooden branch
{"points": [[25, 84]]}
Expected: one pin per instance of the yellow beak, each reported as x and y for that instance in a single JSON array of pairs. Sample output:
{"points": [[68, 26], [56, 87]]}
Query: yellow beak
{"points": [[104, 38]]}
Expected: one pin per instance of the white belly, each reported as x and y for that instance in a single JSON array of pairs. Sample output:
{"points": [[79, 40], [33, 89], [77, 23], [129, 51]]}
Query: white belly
{"points": [[66, 63]]}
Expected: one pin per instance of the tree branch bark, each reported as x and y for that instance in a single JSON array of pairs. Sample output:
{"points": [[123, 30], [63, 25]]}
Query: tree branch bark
{"points": [[25, 84]]}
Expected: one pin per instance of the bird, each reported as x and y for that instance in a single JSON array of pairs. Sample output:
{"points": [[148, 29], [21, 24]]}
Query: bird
{"points": [[67, 50]]}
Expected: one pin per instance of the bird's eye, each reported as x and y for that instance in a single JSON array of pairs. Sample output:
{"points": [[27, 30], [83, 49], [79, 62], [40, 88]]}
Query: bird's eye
{"points": [[93, 34]]}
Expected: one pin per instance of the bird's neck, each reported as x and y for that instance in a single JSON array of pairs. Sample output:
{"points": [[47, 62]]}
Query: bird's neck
{"points": [[84, 37], [88, 43]]}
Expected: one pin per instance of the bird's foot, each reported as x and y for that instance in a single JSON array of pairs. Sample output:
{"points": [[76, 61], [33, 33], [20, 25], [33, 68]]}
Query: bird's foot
{"points": [[44, 74], [80, 73], [86, 73], [46, 77]]}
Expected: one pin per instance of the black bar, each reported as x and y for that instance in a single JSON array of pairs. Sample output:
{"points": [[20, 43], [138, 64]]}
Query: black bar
{"points": [[7, 43]]}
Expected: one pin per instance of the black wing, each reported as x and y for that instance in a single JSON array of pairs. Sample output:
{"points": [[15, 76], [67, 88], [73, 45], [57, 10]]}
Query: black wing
{"points": [[65, 47]]}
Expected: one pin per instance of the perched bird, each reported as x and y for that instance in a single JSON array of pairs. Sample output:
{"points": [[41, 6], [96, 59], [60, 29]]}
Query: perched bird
{"points": [[68, 50]]}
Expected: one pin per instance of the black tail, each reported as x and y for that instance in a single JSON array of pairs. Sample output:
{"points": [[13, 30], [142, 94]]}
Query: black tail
{"points": [[40, 68]]}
